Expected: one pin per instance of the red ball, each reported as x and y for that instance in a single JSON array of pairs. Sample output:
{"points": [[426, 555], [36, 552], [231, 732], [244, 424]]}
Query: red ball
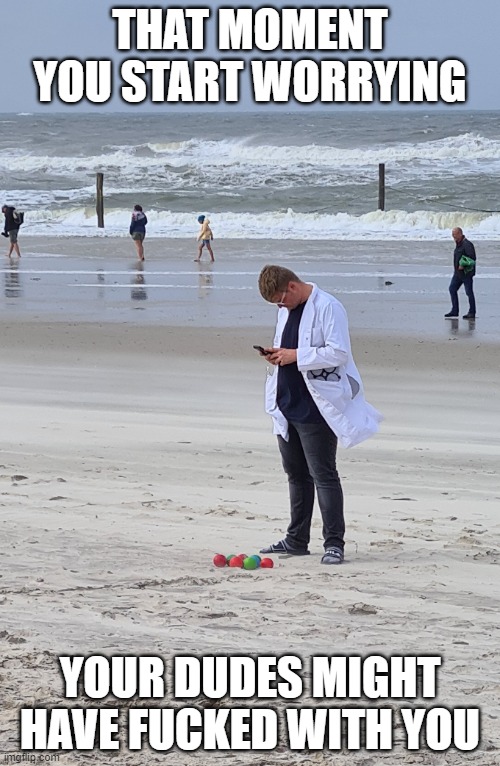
{"points": [[242, 556], [219, 560], [236, 561], [267, 564]]}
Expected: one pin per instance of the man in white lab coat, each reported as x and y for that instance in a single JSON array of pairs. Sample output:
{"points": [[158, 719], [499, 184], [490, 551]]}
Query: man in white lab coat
{"points": [[315, 397]]}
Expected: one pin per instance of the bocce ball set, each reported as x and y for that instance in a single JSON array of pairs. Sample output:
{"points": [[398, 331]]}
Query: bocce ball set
{"points": [[242, 561]]}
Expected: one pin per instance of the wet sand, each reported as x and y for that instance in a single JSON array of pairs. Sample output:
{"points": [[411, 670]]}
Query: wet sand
{"points": [[390, 288]]}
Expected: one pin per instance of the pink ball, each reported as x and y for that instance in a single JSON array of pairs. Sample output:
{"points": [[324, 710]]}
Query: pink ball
{"points": [[219, 560], [267, 564]]}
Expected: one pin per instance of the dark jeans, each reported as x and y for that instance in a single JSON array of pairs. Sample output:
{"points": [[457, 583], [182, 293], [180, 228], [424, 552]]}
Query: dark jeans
{"points": [[458, 279], [309, 460]]}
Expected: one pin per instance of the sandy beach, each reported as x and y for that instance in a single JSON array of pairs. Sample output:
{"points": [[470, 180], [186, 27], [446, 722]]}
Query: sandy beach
{"points": [[135, 447]]}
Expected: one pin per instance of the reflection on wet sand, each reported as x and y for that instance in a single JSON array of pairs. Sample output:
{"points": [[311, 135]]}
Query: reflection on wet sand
{"points": [[101, 279], [205, 280], [138, 291], [464, 327], [12, 287]]}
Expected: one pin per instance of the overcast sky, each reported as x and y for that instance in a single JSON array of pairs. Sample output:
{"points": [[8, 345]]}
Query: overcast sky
{"points": [[84, 29]]}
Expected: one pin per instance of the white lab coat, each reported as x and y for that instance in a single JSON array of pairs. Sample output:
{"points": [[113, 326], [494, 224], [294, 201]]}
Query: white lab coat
{"points": [[324, 343]]}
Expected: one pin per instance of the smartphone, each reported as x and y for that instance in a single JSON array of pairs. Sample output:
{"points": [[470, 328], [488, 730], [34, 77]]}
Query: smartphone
{"points": [[261, 350]]}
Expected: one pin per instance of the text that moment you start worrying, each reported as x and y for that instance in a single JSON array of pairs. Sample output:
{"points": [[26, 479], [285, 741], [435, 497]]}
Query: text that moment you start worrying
{"points": [[221, 77]]}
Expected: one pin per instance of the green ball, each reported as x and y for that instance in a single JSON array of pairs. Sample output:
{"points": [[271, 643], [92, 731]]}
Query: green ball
{"points": [[228, 558], [250, 563]]}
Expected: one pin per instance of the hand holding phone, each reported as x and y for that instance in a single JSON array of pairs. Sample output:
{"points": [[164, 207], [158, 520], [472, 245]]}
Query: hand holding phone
{"points": [[261, 350]]}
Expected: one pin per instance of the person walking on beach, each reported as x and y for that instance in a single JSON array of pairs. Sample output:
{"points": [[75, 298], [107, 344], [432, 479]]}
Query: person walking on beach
{"points": [[205, 237], [315, 398], [138, 229], [464, 269], [11, 229]]}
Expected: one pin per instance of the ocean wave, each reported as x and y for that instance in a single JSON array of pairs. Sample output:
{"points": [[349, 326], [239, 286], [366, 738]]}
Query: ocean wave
{"points": [[466, 146], [240, 158], [377, 225]]}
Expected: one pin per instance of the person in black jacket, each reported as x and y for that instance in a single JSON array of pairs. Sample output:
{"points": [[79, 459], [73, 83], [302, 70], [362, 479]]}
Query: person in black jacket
{"points": [[462, 274], [138, 230], [11, 230]]}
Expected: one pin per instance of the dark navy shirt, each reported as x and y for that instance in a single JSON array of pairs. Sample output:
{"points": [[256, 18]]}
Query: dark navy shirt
{"points": [[292, 396]]}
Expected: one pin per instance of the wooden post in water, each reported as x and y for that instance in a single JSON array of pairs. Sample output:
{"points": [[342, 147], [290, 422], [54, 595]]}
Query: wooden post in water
{"points": [[381, 186], [100, 200]]}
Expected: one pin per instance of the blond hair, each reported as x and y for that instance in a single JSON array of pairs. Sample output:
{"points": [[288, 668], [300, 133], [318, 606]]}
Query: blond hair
{"points": [[275, 279]]}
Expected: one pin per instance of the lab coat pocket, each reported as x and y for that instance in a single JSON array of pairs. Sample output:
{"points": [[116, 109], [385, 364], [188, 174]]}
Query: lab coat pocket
{"points": [[337, 392]]}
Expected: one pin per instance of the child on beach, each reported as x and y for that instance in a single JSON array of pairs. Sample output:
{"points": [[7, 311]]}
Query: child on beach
{"points": [[138, 230], [204, 237]]}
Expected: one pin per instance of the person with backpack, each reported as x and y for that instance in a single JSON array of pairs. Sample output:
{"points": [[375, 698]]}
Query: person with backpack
{"points": [[137, 229], [13, 220]]}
